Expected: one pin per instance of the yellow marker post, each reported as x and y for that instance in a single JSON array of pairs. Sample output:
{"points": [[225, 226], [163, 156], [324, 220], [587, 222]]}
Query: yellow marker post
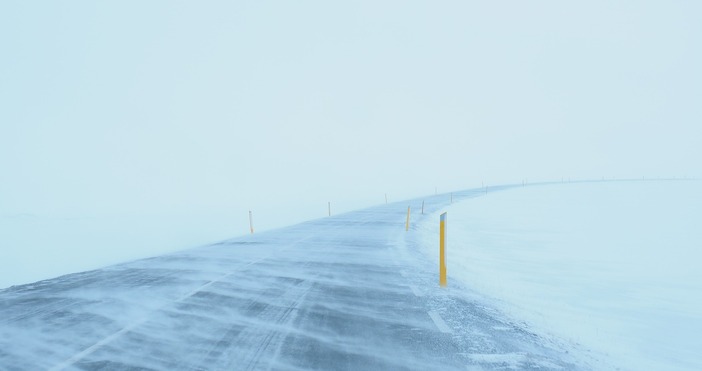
{"points": [[407, 222], [250, 222], [442, 250]]}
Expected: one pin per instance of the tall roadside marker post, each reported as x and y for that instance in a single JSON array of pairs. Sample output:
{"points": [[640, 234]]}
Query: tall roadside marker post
{"points": [[442, 250], [329, 207], [250, 222], [386, 198], [422, 207], [407, 222]]}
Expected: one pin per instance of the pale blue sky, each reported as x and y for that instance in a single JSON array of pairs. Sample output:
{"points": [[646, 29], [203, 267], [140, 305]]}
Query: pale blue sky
{"points": [[181, 106]]}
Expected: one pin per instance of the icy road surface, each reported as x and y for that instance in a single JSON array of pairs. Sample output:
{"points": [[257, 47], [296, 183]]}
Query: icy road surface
{"points": [[352, 291]]}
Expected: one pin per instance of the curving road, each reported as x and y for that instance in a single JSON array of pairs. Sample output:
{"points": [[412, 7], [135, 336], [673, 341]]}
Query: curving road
{"points": [[351, 291]]}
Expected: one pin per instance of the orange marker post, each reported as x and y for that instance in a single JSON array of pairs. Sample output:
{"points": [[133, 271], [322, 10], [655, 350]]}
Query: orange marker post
{"points": [[442, 250]]}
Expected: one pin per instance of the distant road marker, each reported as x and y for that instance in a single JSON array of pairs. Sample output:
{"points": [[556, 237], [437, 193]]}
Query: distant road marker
{"points": [[250, 222]]}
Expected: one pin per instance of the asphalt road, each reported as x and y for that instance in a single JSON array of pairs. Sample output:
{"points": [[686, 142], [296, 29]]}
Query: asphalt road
{"points": [[351, 291]]}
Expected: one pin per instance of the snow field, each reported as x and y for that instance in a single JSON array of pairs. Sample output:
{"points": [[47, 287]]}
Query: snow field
{"points": [[609, 266]]}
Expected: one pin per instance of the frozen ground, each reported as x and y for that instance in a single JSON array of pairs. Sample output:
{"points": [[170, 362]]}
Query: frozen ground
{"points": [[353, 291], [612, 266]]}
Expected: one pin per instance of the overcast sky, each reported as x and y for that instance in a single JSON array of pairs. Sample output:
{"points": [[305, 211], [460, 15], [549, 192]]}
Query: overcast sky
{"points": [[199, 106]]}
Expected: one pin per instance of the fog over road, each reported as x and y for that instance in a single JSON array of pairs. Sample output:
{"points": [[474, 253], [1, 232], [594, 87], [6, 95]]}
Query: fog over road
{"points": [[352, 291]]}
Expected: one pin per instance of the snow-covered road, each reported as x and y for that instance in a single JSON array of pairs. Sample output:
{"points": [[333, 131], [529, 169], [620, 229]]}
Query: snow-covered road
{"points": [[353, 291]]}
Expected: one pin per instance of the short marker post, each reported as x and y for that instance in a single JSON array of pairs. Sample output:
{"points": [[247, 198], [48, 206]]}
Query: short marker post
{"points": [[442, 250], [408, 217], [422, 207], [386, 198], [251, 222], [329, 207]]}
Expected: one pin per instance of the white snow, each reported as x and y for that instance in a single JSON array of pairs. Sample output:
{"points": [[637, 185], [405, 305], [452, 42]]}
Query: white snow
{"points": [[612, 267], [608, 267]]}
